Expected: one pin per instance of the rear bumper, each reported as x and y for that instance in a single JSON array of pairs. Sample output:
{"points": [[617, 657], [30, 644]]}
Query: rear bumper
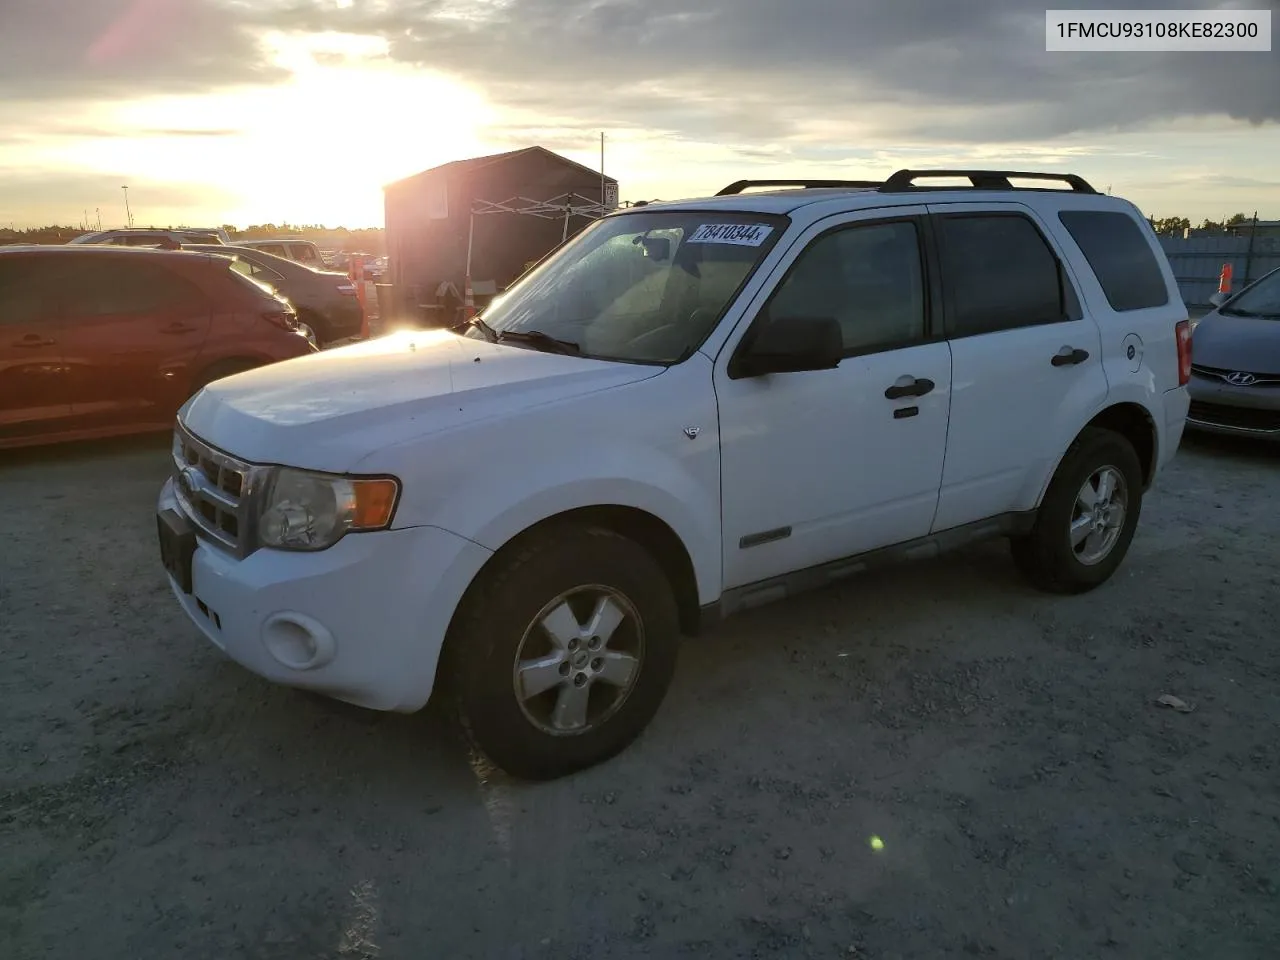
{"points": [[1228, 410], [1175, 418]]}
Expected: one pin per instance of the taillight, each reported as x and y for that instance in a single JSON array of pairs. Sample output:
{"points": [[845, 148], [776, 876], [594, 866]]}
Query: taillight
{"points": [[1184, 352], [284, 319]]}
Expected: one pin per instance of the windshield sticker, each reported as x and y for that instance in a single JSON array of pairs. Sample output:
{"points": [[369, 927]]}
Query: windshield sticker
{"points": [[738, 234]]}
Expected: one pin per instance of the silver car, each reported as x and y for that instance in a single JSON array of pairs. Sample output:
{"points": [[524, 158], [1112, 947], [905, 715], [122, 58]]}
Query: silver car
{"points": [[1235, 363]]}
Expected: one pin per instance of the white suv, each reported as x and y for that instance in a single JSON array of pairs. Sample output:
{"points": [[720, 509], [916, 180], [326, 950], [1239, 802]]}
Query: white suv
{"points": [[690, 409]]}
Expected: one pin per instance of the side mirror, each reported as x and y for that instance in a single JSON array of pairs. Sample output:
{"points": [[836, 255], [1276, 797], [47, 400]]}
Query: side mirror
{"points": [[1218, 299], [790, 345]]}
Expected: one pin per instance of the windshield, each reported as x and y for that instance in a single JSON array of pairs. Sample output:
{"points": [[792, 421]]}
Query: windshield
{"points": [[1260, 300], [639, 287]]}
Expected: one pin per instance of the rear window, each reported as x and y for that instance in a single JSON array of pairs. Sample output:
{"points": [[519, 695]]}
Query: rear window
{"points": [[237, 268], [1120, 257]]}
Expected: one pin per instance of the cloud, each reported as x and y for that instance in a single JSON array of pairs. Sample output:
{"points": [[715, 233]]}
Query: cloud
{"points": [[99, 49], [763, 70]]}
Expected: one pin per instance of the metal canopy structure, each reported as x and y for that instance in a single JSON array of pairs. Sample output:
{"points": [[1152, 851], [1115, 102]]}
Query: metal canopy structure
{"points": [[567, 205]]}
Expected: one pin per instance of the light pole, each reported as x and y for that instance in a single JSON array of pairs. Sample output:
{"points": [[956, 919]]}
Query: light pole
{"points": [[127, 213]]}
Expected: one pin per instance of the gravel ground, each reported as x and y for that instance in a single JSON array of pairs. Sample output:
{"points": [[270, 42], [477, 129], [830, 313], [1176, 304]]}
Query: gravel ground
{"points": [[1029, 797]]}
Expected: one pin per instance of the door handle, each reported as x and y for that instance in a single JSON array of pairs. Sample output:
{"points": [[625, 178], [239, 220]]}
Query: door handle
{"points": [[908, 386], [177, 328], [34, 340], [1069, 356]]}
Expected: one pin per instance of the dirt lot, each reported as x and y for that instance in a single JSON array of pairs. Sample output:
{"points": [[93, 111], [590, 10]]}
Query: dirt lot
{"points": [[1030, 798]]}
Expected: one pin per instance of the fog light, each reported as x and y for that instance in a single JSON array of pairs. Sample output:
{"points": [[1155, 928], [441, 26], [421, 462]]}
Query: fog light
{"points": [[297, 641]]}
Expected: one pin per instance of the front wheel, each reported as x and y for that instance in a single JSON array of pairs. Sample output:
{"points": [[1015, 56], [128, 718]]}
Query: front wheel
{"points": [[1088, 517], [562, 654]]}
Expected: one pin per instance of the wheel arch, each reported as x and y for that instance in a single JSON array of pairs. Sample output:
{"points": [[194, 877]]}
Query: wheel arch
{"points": [[1131, 420], [1135, 423], [647, 529]]}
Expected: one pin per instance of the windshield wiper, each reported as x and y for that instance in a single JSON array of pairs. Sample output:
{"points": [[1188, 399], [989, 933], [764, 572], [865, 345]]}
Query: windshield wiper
{"points": [[539, 341], [489, 333]]}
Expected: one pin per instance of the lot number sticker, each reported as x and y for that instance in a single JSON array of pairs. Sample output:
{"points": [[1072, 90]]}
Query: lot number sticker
{"points": [[738, 234]]}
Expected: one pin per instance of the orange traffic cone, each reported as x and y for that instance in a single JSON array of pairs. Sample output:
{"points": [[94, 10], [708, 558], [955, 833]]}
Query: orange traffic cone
{"points": [[468, 300]]}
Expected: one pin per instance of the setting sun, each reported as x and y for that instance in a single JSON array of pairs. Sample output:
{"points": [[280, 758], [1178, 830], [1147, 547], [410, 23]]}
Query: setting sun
{"points": [[316, 148]]}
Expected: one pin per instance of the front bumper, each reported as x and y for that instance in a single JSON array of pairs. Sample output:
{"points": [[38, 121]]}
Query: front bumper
{"points": [[1223, 408], [363, 621]]}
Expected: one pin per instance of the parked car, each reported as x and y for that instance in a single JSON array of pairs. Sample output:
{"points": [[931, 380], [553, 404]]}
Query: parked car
{"points": [[372, 266], [97, 340], [325, 300], [1235, 363], [142, 237], [301, 251], [690, 409]]}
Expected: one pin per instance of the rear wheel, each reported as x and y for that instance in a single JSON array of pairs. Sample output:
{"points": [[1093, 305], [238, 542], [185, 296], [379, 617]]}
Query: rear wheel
{"points": [[561, 655], [1088, 517]]}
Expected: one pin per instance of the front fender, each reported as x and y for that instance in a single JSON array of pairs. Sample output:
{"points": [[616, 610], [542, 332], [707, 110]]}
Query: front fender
{"points": [[673, 500], [627, 446]]}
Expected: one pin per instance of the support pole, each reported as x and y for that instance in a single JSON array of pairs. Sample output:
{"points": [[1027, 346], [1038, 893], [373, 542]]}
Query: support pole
{"points": [[471, 235]]}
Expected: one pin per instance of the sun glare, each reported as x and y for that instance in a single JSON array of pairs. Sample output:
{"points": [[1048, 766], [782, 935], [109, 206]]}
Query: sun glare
{"points": [[317, 148]]}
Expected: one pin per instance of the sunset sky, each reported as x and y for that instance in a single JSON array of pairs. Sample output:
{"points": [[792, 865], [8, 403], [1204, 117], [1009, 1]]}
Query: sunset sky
{"points": [[249, 111]]}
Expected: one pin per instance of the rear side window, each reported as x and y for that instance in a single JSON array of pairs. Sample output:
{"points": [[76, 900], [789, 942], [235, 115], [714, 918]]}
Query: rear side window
{"points": [[244, 279], [116, 286], [303, 253], [25, 296], [1120, 257], [258, 272], [999, 274], [273, 248]]}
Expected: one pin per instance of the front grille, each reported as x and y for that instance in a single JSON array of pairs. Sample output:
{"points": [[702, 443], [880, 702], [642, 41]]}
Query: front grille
{"points": [[1243, 418], [217, 491], [1225, 375]]}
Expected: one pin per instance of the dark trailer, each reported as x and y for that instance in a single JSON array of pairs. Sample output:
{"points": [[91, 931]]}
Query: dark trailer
{"points": [[505, 211]]}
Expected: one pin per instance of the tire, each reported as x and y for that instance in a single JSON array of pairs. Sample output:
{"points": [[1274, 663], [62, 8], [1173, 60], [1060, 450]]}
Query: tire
{"points": [[1050, 556], [497, 627], [319, 327]]}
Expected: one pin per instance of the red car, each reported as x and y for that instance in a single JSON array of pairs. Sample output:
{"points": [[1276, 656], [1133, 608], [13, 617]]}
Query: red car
{"points": [[97, 341]]}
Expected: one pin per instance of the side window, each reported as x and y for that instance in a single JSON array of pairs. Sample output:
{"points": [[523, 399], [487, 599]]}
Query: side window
{"points": [[1120, 257], [25, 296], [304, 254], [259, 272], [867, 277], [999, 273], [115, 287], [274, 248]]}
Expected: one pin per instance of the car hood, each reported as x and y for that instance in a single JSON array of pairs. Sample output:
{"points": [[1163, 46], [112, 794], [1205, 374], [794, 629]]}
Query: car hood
{"points": [[329, 410], [1249, 344]]}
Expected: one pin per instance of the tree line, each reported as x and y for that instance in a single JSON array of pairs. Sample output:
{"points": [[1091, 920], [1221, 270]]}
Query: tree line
{"points": [[1174, 226]]}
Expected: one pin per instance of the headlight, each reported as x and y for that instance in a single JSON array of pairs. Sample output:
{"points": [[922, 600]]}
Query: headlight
{"points": [[312, 511]]}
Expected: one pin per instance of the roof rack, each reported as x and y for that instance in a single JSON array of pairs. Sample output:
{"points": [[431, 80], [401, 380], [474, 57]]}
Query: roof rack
{"points": [[741, 185], [904, 180]]}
